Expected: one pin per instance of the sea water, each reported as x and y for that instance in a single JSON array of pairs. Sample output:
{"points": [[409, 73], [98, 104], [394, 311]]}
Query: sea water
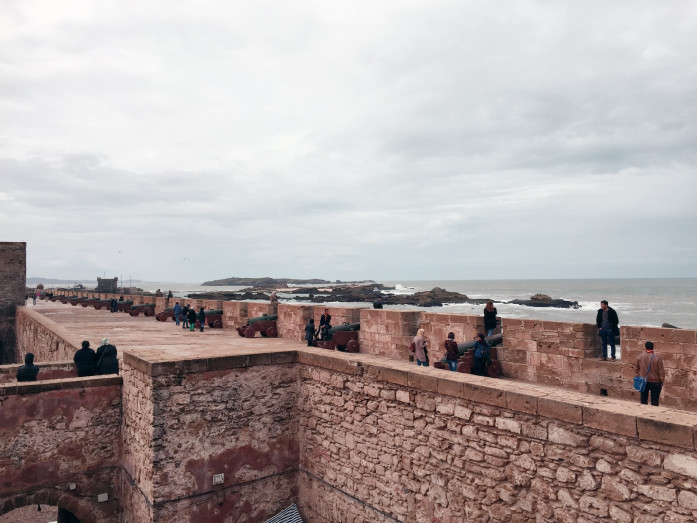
{"points": [[645, 301]]}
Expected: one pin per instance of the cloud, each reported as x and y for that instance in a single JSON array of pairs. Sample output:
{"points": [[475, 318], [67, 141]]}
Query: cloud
{"points": [[425, 140]]}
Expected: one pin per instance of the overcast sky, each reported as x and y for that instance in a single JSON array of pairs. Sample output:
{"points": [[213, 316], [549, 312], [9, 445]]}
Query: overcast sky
{"points": [[189, 141]]}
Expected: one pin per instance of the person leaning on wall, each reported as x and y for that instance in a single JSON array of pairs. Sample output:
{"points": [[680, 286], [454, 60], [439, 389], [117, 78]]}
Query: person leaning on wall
{"points": [[650, 366], [28, 371], [85, 359], [107, 363], [490, 322]]}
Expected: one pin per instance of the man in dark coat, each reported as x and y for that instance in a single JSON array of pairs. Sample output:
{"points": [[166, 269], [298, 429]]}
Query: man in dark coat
{"points": [[325, 321], [107, 363], [185, 316], [202, 318], [28, 371], [452, 353], [310, 332], [85, 359], [608, 327]]}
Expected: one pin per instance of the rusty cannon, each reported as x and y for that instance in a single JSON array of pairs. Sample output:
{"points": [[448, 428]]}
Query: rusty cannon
{"points": [[124, 306], [89, 302], [102, 304], [467, 356], [343, 338], [66, 299], [148, 309], [264, 325], [77, 301], [165, 314], [214, 319]]}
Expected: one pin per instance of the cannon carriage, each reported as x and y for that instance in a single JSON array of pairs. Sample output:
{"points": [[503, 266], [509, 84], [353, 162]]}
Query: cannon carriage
{"points": [[343, 338], [214, 319], [165, 314], [264, 325], [148, 309]]}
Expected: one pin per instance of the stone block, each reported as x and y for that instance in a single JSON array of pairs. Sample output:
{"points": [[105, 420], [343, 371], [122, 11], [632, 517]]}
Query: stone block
{"points": [[681, 464], [423, 380], [388, 374], [487, 394], [610, 420], [559, 409], [665, 431], [451, 386], [521, 402]]}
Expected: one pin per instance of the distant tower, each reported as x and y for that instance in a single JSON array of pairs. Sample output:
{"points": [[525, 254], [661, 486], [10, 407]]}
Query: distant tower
{"points": [[13, 285], [107, 285]]}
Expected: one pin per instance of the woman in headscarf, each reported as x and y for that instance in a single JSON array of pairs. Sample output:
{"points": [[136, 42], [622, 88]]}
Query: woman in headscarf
{"points": [[107, 363], [420, 348]]}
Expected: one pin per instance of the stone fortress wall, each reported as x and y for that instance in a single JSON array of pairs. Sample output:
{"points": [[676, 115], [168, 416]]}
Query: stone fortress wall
{"points": [[358, 437], [13, 271], [546, 352]]}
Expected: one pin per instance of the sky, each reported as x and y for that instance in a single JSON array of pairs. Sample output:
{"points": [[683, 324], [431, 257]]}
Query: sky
{"points": [[416, 140]]}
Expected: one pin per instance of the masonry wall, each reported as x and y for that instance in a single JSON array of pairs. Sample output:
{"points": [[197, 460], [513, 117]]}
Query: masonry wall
{"points": [[433, 447], [47, 371], [234, 416], [43, 337], [13, 272], [388, 332], [58, 432]]}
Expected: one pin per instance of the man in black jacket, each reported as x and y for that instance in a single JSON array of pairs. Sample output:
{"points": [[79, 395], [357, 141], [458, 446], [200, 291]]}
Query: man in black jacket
{"points": [[608, 327], [325, 323], [28, 371], [86, 360]]}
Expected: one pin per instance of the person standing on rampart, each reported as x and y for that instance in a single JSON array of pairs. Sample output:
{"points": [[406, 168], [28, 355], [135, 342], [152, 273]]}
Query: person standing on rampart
{"points": [[28, 371], [452, 353], [85, 360], [192, 318], [482, 355], [490, 322], [177, 313], [608, 327], [420, 352], [310, 331], [185, 316], [650, 366], [202, 318], [273, 298], [325, 323]]}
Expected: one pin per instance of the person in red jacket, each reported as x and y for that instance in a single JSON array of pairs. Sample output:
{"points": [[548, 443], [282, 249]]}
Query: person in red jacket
{"points": [[650, 366]]}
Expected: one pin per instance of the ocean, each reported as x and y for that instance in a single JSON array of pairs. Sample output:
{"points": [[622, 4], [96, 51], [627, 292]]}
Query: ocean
{"points": [[644, 301]]}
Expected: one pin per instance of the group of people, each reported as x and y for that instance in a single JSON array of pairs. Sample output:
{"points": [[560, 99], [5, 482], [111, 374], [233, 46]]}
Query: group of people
{"points": [[91, 363], [322, 333], [481, 352], [187, 316], [87, 361]]}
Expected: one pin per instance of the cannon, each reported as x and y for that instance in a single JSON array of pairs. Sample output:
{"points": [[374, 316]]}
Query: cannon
{"points": [[343, 338], [89, 302], [66, 299], [467, 356], [75, 301], [102, 304], [125, 306], [53, 298], [165, 314], [265, 325], [148, 309], [214, 319]]}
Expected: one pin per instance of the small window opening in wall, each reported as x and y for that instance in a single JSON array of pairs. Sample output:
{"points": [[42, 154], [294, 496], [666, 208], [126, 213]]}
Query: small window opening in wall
{"points": [[603, 392]]}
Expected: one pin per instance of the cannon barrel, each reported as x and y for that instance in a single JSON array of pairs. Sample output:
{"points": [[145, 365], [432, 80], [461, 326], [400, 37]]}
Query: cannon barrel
{"points": [[215, 311], [493, 341], [141, 305], [345, 327], [127, 302], [272, 317]]}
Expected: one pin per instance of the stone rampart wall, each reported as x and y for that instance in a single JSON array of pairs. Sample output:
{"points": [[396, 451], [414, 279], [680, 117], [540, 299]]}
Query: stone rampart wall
{"points": [[13, 271], [403, 444], [57, 432], [46, 339], [388, 332], [554, 353]]}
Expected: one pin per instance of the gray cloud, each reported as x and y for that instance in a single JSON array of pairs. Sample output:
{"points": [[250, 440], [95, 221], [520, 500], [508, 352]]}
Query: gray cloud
{"points": [[423, 140]]}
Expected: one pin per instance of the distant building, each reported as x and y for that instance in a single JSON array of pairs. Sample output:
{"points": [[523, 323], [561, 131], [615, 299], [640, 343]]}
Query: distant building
{"points": [[107, 285]]}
